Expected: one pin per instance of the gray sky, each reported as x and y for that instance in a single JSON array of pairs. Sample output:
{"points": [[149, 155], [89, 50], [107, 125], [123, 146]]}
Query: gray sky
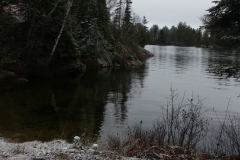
{"points": [[171, 12]]}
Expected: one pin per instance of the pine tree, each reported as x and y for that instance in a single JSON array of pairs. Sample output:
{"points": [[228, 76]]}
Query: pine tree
{"points": [[223, 20], [127, 15], [117, 20], [94, 39], [127, 27], [103, 17], [142, 36], [154, 31], [144, 21]]}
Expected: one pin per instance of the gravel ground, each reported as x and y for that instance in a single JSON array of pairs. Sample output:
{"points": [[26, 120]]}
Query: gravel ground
{"points": [[57, 149]]}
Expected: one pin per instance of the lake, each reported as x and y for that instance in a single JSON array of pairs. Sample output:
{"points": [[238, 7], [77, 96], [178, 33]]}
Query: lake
{"points": [[107, 100]]}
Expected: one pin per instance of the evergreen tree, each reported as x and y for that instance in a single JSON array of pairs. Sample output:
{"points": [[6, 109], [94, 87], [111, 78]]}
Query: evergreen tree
{"points": [[163, 35], [224, 18], [103, 17], [94, 40], [182, 35], [172, 35], [117, 20], [198, 37], [154, 31], [127, 27], [118, 14], [62, 32], [144, 21], [127, 15], [205, 39], [142, 32]]}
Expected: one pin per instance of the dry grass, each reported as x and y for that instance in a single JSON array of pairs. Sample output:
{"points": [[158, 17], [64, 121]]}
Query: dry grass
{"points": [[19, 150], [182, 132], [226, 138]]}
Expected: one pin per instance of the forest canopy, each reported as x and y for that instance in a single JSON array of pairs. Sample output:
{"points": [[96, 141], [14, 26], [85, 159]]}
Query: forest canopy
{"points": [[68, 35], [223, 22], [44, 37]]}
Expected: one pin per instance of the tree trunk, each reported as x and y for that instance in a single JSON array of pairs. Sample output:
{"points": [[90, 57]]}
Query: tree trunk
{"points": [[69, 6]]}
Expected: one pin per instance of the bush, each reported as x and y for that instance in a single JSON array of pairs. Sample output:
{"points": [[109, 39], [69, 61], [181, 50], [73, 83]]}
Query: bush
{"points": [[182, 132], [178, 131]]}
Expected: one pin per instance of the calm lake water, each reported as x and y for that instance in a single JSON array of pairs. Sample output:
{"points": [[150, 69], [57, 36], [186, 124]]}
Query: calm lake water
{"points": [[107, 100]]}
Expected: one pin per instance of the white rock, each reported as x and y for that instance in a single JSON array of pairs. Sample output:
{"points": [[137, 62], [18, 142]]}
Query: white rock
{"points": [[95, 146], [71, 150], [76, 138], [65, 148]]}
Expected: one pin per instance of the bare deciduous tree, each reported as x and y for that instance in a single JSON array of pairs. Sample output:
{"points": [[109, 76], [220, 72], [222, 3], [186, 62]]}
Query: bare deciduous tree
{"points": [[68, 8]]}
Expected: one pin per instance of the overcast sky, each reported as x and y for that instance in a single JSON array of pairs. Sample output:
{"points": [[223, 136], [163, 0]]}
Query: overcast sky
{"points": [[171, 12]]}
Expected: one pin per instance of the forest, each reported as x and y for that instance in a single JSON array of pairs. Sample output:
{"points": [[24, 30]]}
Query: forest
{"points": [[55, 37], [47, 38], [181, 35], [220, 29]]}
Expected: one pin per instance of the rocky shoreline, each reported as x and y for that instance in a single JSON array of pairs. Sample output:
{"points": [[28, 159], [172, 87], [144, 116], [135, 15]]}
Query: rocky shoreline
{"points": [[12, 77], [56, 149]]}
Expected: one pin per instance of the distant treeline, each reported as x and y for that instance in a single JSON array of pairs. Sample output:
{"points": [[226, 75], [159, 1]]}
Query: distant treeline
{"points": [[182, 35], [68, 35], [221, 28]]}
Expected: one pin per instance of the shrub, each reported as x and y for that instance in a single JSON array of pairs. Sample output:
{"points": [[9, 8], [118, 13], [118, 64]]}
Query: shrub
{"points": [[176, 132]]}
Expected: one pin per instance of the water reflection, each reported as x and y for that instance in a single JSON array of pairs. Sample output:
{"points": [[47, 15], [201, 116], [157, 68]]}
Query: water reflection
{"points": [[47, 109], [107, 100], [185, 69], [64, 107]]}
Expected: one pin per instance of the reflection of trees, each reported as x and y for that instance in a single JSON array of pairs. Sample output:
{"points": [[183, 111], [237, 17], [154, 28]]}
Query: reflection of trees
{"points": [[183, 57], [121, 85], [162, 54], [121, 82], [223, 64], [64, 107], [223, 58]]}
